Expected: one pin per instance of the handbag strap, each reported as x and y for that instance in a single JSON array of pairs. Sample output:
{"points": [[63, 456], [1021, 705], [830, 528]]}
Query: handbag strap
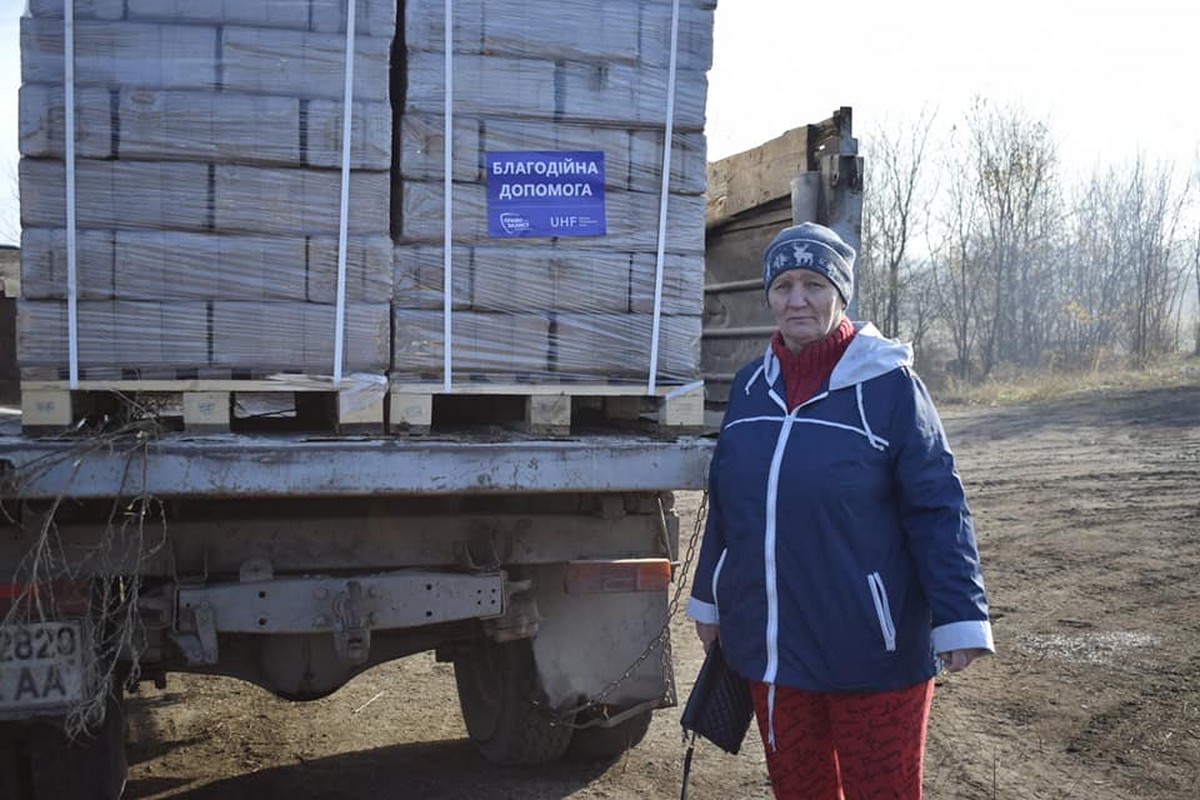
{"points": [[687, 766]]}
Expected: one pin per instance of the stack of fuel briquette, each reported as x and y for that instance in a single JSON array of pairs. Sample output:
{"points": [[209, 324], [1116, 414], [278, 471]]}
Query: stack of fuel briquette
{"points": [[550, 76], [208, 167], [208, 172]]}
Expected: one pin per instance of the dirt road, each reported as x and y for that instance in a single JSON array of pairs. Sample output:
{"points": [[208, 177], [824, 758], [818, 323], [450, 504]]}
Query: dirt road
{"points": [[1088, 512]]}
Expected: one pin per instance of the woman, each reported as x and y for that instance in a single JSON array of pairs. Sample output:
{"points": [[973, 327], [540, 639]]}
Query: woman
{"points": [[839, 565]]}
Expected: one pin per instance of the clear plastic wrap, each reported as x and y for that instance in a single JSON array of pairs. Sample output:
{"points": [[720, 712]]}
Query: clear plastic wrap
{"points": [[632, 156], [632, 219], [613, 95], [219, 127], [574, 319], [205, 339], [521, 348], [373, 17], [165, 55], [186, 196], [167, 265], [208, 167], [551, 278], [633, 32], [595, 77]]}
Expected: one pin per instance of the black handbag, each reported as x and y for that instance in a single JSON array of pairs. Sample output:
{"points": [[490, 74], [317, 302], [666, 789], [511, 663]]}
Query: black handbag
{"points": [[719, 709]]}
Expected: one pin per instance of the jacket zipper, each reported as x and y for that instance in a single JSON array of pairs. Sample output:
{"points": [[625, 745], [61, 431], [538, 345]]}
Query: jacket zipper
{"points": [[769, 540], [883, 610]]}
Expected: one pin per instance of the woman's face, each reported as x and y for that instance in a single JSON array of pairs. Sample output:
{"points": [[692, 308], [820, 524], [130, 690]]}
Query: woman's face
{"points": [[806, 307]]}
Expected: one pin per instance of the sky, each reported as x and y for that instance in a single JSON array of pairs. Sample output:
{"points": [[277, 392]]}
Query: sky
{"points": [[1113, 79], [1110, 76]]}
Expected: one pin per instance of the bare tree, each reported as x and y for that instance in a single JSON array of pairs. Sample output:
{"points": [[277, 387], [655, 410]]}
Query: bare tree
{"points": [[1126, 284], [956, 273], [1196, 285], [1195, 182], [1014, 168], [869, 285], [895, 207], [1091, 274], [1154, 211], [1016, 275], [920, 306]]}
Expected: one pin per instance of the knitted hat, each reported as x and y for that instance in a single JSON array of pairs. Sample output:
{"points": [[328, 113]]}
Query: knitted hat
{"points": [[813, 247]]}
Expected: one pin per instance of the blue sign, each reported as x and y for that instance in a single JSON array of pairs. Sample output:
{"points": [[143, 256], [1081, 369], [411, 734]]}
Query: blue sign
{"points": [[535, 193]]}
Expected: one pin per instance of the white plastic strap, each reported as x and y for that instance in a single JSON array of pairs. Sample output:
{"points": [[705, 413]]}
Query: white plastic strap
{"points": [[69, 156], [664, 196], [339, 333], [682, 390], [448, 199]]}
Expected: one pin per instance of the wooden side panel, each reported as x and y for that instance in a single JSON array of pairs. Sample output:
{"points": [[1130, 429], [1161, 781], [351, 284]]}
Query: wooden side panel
{"points": [[749, 201], [747, 180], [734, 252]]}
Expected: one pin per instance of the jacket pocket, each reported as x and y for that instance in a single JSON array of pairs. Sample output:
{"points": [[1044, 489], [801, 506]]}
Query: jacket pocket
{"points": [[716, 578], [883, 610]]}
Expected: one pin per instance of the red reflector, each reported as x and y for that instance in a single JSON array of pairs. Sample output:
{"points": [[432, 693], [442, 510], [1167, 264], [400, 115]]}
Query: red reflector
{"points": [[625, 575], [69, 598]]}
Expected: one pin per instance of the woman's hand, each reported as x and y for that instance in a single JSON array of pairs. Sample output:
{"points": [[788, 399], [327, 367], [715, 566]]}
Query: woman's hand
{"points": [[708, 634], [958, 660]]}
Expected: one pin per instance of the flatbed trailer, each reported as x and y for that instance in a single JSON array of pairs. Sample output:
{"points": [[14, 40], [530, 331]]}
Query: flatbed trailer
{"points": [[539, 567]]}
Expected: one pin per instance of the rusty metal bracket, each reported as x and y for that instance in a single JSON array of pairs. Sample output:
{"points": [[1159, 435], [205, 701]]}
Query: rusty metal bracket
{"points": [[351, 631], [196, 635]]}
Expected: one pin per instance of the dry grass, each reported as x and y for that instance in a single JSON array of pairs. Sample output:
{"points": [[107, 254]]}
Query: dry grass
{"points": [[1057, 384]]}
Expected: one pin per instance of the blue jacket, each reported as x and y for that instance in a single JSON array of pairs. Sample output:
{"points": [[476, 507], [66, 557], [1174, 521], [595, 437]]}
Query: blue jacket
{"points": [[839, 553]]}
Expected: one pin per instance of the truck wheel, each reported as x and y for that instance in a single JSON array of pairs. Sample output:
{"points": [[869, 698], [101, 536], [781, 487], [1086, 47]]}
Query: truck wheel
{"points": [[498, 693], [602, 744], [40, 763]]}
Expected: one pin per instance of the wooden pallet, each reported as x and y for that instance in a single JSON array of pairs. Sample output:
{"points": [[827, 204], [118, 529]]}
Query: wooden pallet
{"points": [[544, 409], [206, 404]]}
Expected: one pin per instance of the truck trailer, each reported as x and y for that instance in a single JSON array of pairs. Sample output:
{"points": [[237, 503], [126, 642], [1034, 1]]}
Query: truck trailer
{"points": [[310, 382]]}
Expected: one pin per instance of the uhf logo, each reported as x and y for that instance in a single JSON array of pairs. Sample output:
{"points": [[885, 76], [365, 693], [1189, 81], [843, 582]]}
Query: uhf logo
{"points": [[513, 224]]}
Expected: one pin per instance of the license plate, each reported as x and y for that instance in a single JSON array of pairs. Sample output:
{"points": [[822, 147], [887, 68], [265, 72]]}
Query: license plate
{"points": [[41, 665]]}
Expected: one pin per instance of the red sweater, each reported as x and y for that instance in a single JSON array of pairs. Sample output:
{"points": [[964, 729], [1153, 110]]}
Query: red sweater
{"points": [[808, 370]]}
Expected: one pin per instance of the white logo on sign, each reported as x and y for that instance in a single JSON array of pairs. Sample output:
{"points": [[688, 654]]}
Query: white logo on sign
{"points": [[513, 224]]}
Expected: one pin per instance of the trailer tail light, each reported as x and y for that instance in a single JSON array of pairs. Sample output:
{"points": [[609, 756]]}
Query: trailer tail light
{"points": [[625, 575], [61, 598]]}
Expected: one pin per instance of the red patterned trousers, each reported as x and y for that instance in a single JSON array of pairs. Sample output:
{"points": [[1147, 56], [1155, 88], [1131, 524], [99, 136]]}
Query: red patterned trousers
{"points": [[858, 746]]}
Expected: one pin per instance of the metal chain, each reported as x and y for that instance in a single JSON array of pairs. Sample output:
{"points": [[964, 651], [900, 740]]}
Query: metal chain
{"points": [[663, 638]]}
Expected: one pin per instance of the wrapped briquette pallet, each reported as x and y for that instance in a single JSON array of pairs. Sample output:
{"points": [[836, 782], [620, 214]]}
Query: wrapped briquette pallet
{"points": [[181, 336], [560, 122], [208, 155], [204, 233], [597, 328]]}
